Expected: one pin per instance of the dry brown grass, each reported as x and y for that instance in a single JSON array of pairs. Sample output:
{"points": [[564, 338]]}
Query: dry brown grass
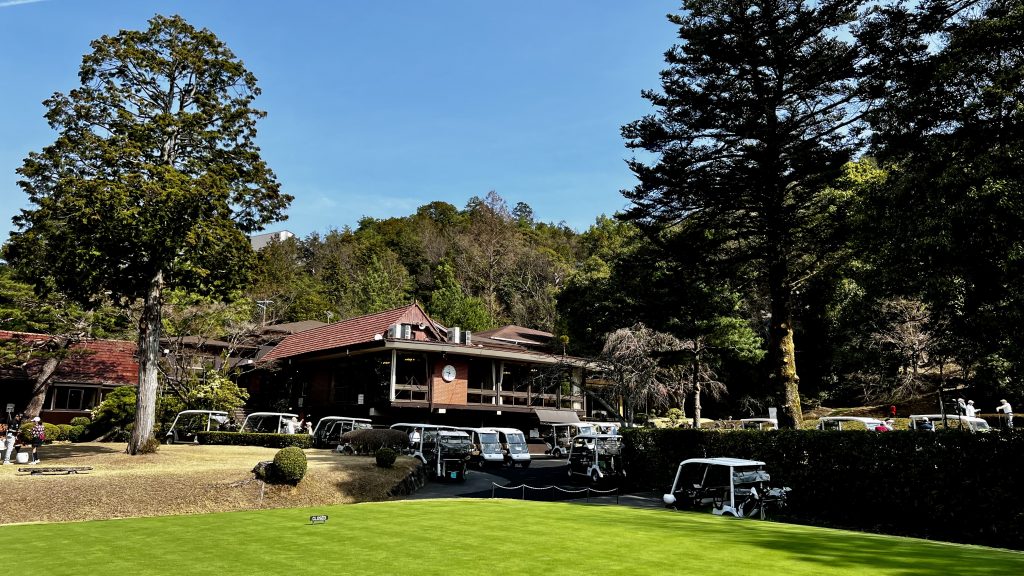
{"points": [[181, 479]]}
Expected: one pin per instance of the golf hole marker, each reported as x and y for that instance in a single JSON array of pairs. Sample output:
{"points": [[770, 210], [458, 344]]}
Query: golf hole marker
{"points": [[318, 519]]}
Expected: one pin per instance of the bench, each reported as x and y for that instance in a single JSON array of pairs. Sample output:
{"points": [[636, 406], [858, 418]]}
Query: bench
{"points": [[55, 470]]}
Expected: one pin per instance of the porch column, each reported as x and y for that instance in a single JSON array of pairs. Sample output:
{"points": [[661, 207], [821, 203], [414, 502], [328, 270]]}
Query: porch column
{"points": [[394, 375]]}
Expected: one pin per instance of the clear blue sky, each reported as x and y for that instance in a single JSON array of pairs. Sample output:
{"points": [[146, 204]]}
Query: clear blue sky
{"points": [[376, 107]]}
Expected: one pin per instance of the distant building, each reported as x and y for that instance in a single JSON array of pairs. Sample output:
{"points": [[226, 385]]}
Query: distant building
{"points": [[260, 240]]}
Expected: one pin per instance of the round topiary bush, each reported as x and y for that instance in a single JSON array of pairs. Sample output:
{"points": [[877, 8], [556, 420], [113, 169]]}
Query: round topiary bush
{"points": [[65, 431], [386, 457], [80, 421], [76, 433], [289, 465]]}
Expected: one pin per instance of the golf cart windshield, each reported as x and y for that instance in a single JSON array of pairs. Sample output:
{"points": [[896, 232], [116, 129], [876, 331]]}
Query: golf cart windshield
{"points": [[610, 446]]}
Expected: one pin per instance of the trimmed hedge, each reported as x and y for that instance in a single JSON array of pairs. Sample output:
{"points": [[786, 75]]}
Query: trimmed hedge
{"points": [[385, 457], [255, 439], [289, 465], [369, 440], [948, 485]]}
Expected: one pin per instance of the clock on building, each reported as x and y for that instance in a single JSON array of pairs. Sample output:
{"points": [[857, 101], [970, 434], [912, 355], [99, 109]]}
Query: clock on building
{"points": [[448, 373]]}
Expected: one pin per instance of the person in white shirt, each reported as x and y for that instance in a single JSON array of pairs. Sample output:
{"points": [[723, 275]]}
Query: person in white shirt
{"points": [[1006, 409], [971, 410]]}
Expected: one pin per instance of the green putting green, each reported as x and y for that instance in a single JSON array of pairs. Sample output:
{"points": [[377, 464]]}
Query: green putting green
{"points": [[493, 537]]}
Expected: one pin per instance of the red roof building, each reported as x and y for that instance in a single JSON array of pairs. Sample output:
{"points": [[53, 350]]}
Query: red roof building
{"points": [[400, 365], [91, 368]]}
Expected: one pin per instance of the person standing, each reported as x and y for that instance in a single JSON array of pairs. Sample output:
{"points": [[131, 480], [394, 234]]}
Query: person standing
{"points": [[38, 435], [11, 437], [961, 407], [970, 411], [1006, 409]]}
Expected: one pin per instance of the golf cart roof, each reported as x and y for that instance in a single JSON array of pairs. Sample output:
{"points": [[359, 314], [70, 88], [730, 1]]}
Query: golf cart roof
{"points": [[483, 430], [453, 433], [508, 430], [771, 420], [939, 417], [598, 436], [211, 412], [346, 418], [863, 419], [421, 426], [732, 462], [265, 414]]}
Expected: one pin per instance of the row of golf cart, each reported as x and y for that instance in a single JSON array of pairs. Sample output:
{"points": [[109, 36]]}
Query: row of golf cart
{"points": [[326, 434], [447, 451]]}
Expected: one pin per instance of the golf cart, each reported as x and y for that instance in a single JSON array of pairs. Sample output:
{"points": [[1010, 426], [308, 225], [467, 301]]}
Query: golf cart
{"points": [[513, 446], [597, 457], [188, 422], [447, 453], [486, 446], [932, 422], [328, 430], [267, 422], [729, 486], [851, 423], [558, 437], [759, 424]]}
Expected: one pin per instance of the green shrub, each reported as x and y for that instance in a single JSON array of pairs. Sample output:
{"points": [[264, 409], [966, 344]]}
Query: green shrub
{"points": [[150, 446], [80, 421], [255, 439], [289, 465], [368, 441], [385, 457], [76, 433], [64, 432]]}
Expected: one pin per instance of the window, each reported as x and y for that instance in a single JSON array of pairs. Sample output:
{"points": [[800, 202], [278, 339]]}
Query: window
{"points": [[68, 398]]}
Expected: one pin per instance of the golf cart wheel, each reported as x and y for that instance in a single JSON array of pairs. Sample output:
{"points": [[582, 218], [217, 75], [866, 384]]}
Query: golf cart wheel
{"points": [[169, 439], [594, 477], [556, 453]]}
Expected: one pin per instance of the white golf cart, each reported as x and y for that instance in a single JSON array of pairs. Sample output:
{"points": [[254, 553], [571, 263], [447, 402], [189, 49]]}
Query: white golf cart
{"points": [[188, 422], [729, 486], [558, 437], [267, 422], [932, 422], [329, 429], [513, 446], [851, 423], [759, 424], [597, 457], [486, 446]]}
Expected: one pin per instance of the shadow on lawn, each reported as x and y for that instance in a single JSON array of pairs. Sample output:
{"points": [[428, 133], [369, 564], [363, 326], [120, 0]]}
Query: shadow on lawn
{"points": [[852, 552], [58, 451]]}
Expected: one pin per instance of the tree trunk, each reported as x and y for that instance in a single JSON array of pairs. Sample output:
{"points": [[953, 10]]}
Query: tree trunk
{"points": [[696, 394], [784, 381], [149, 358], [41, 386]]}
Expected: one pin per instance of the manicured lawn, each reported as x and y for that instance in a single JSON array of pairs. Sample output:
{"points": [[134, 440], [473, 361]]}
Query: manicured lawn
{"points": [[493, 537]]}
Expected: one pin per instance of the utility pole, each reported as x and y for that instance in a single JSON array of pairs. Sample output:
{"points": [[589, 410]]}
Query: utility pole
{"points": [[263, 308]]}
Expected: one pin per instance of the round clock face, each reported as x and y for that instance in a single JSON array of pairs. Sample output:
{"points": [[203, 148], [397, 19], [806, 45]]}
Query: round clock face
{"points": [[448, 373]]}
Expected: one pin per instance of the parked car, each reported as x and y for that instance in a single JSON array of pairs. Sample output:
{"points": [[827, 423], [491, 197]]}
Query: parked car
{"points": [[728, 486], [188, 422], [267, 422], [328, 430], [486, 446], [597, 457], [759, 424], [513, 446], [558, 437], [851, 423], [931, 422]]}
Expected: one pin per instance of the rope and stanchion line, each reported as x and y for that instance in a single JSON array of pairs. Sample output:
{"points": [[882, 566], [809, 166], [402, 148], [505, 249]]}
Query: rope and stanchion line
{"points": [[554, 490]]}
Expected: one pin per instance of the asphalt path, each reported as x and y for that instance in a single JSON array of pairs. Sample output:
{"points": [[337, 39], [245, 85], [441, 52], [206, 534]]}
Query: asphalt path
{"points": [[546, 479]]}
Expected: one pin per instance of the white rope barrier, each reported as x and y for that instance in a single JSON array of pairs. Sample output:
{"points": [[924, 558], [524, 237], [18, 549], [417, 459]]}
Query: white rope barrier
{"points": [[524, 488]]}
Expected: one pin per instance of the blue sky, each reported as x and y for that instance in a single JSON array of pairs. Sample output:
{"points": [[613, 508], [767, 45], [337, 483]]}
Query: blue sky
{"points": [[376, 107]]}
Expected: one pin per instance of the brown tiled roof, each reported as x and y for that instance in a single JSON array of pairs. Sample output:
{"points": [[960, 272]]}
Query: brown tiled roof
{"points": [[293, 327], [356, 330], [518, 334], [110, 362]]}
